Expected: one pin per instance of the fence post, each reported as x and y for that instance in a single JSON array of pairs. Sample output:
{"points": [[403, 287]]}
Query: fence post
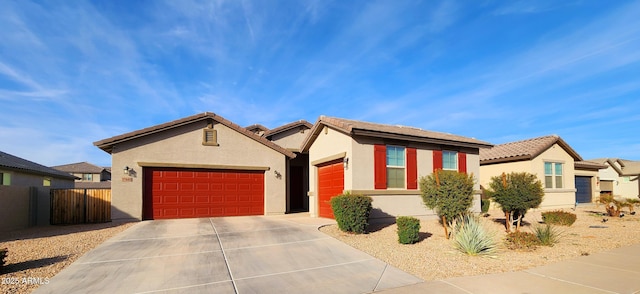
{"points": [[86, 217]]}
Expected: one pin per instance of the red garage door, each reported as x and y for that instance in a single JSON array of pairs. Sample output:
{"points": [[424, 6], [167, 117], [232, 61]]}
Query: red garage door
{"points": [[186, 193], [330, 184]]}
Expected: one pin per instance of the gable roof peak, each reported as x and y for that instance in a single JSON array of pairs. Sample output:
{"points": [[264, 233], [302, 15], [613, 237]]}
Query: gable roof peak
{"points": [[526, 149]]}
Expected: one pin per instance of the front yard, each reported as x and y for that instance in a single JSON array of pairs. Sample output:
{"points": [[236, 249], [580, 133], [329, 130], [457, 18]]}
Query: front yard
{"points": [[434, 257]]}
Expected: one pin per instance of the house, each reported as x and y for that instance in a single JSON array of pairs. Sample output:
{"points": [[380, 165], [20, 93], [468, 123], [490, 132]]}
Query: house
{"points": [[566, 178], [382, 161], [198, 166], [290, 136], [89, 176], [24, 191], [257, 129], [620, 177]]}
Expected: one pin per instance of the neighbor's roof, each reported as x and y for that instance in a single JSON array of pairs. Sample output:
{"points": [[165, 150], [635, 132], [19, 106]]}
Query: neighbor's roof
{"points": [[257, 127], [296, 124], [623, 168], [8, 161], [93, 185], [361, 128], [588, 164], [524, 150], [107, 144], [80, 167]]}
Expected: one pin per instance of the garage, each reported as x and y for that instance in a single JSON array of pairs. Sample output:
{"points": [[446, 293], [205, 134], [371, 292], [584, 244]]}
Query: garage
{"points": [[330, 184], [171, 193], [583, 189]]}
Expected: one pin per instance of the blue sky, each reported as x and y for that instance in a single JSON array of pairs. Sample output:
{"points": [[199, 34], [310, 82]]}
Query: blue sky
{"points": [[74, 72]]}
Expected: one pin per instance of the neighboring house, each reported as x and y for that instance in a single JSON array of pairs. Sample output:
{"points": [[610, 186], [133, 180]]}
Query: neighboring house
{"points": [[382, 161], [257, 129], [620, 178], [290, 137], [198, 166], [558, 166], [89, 176], [24, 191]]}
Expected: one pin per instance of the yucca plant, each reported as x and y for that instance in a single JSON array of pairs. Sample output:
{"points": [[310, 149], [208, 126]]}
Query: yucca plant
{"points": [[547, 234], [471, 238]]}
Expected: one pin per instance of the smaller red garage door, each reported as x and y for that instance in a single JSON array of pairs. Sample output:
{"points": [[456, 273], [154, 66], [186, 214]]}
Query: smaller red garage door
{"points": [[187, 193], [330, 184]]}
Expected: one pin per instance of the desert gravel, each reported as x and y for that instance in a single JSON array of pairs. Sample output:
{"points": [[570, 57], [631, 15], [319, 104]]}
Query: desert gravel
{"points": [[37, 254], [434, 258]]}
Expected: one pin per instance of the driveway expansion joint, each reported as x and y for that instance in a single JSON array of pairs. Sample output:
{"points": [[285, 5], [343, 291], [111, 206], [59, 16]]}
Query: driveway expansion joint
{"points": [[224, 255], [568, 282]]}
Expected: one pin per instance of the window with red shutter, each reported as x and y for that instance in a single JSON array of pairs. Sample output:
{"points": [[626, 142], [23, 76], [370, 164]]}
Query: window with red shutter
{"points": [[412, 169], [380, 166], [437, 159], [462, 162]]}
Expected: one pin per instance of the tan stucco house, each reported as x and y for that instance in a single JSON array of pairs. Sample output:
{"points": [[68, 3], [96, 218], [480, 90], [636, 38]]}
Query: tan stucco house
{"points": [[24, 191], [88, 175], [566, 178], [199, 166], [620, 177], [381, 161]]}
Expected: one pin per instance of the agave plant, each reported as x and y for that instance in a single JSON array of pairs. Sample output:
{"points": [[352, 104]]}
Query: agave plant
{"points": [[547, 234], [471, 238]]}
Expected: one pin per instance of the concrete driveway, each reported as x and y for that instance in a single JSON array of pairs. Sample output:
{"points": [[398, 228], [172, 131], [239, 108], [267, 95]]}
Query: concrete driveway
{"points": [[227, 255]]}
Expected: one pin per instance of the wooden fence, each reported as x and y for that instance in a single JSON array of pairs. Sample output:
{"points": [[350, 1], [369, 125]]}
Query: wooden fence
{"points": [[78, 206]]}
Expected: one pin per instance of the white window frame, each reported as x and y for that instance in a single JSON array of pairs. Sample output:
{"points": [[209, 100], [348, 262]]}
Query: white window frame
{"points": [[404, 167], [455, 157], [554, 176]]}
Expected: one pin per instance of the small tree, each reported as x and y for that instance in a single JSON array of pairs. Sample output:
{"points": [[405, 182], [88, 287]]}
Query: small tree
{"points": [[450, 193], [516, 193]]}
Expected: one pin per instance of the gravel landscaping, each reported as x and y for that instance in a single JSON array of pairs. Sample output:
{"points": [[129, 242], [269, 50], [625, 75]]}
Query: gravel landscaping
{"points": [[434, 258], [37, 254]]}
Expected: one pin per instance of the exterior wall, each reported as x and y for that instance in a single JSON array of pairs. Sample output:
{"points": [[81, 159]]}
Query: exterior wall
{"points": [[595, 188], [553, 198], [290, 139], [183, 145], [41, 204], [625, 187], [359, 174], [94, 179], [15, 207], [328, 144]]}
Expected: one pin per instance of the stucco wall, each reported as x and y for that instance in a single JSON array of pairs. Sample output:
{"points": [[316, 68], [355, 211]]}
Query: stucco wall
{"points": [[15, 207], [290, 139], [626, 187], [183, 145]]}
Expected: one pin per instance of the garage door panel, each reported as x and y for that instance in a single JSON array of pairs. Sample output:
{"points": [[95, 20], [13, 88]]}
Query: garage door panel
{"points": [[330, 184], [180, 193]]}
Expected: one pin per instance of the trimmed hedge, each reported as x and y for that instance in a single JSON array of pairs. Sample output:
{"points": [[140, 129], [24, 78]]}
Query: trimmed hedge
{"points": [[559, 217], [485, 205], [352, 212], [408, 229]]}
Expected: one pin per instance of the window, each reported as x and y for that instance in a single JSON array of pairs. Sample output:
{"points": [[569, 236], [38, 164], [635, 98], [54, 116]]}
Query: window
{"points": [[553, 175], [395, 167], [46, 182], [449, 160], [5, 179], [87, 177]]}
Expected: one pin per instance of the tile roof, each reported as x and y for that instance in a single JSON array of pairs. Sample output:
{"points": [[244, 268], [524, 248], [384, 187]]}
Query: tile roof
{"points": [[289, 126], [80, 167], [255, 128], [354, 127], [524, 150], [107, 144], [8, 161], [626, 168], [587, 164]]}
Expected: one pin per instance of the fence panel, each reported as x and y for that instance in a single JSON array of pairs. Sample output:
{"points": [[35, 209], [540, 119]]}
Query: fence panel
{"points": [[77, 206]]}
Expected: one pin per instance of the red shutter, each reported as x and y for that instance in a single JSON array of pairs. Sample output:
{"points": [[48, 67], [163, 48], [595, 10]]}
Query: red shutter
{"points": [[462, 162], [380, 166], [412, 169], [437, 159]]}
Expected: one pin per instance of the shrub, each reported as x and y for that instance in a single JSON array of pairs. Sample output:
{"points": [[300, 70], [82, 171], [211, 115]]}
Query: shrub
{"points": [[450, 193], [485, 205], [559, 217], [3, 254], [352, 212], [612, 205], [547, 235], [408, 229], [516, 193], [522, 241], [471, 238]]}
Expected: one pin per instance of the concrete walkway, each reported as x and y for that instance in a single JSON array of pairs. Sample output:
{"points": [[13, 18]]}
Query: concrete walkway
{"points": [[285, 254], [614, 271]]}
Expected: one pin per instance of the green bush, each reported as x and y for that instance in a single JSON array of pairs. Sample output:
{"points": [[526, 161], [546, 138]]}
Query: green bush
{"points": [[3, 254], [352, 212], [516, 193], [559, 217], [522, 241], [547, 235], [485, 205], [408, 229], [471, 238]]}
